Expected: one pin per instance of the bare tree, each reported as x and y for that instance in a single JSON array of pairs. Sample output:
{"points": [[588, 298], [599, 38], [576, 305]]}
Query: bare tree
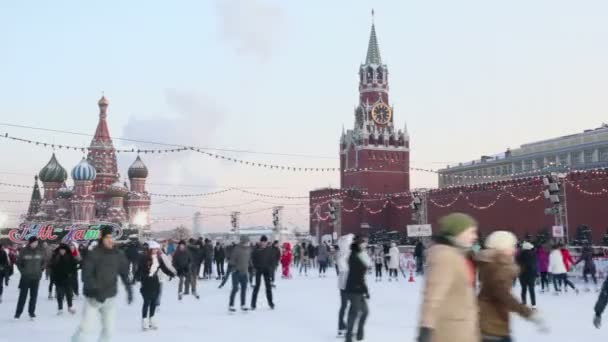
{"points": [[181, 233]]}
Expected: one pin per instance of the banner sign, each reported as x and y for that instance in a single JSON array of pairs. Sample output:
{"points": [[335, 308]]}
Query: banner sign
{"points": [[419, 230], [558, 231], [61, 233]]}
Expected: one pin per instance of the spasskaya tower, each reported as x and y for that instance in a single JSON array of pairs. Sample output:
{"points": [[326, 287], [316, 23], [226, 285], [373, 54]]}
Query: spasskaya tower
{"points": [[374, 156]]}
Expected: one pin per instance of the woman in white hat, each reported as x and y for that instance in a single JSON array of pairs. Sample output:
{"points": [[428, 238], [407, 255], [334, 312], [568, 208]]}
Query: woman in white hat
{"points": [[148, 275]]}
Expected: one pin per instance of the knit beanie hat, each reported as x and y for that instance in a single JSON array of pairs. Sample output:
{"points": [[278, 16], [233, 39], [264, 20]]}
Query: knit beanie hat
{"points": [[501, 240], [456, 223], [526, 246]]}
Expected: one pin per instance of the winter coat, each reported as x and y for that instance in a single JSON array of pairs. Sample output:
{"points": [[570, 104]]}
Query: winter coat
{"points": [[263, 259], [393, 253], [496, 274], [5, 262], [419, 250], [342, 259], [602, 300], [150, 281], [31, 263], [526, 260], [64, 268], [323, 255], [276, 256], [240, 258], [543, 260], [197, 255], [219, 254], [182, 261], [568, 261], [133, 252], [449, 307], [208, 252], [287, 256], [358, 263], [556, 262], [311, 251], [101, 269], [378, 257], [587, 258]]}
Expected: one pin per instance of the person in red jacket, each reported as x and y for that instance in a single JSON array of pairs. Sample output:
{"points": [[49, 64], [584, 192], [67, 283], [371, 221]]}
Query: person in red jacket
{"points": [[286, 259], [568, 261]]}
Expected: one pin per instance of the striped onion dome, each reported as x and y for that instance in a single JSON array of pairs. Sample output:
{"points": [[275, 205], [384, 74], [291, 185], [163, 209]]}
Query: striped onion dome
{"points": [[138, 169], [53, 172], [83, 171]]}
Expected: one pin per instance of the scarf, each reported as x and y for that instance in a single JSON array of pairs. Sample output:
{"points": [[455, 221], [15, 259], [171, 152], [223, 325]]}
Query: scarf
{"points": [[154, 266]]}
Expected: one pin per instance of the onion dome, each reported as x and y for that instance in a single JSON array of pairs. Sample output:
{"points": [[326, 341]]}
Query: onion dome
{"points": [[64, 192], [117, 190], [138, 169], [53, 172], [83, 171], [103, 101]]}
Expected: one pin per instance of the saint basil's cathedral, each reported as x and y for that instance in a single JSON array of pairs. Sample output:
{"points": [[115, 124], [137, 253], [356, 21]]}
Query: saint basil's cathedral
{"points": [[98, 195]]}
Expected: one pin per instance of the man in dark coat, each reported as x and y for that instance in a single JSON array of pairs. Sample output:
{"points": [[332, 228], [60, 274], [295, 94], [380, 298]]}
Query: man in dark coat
{"points": [[600, 306], [240, 258], [526, 260], [64, 269], [219, 255], [208, 252], [30, 264], [419, 256], [182, 262], [276, 259], [196, 255], [102, 268], [589, 265], [263, 261], [5, 269]]}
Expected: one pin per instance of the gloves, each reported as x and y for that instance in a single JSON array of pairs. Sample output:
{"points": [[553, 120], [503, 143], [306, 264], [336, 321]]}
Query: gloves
{"points": [[540, 323], [597, 321], [424, 334]]}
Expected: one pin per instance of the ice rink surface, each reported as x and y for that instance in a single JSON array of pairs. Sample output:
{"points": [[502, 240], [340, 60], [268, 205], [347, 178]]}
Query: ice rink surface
{"points": [[306, 312]]}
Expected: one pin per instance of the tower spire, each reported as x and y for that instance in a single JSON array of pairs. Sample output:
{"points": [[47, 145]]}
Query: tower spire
{"points": [[373, 51]]}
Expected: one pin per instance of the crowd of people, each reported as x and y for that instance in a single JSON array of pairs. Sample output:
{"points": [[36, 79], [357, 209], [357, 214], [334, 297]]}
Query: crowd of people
{"points": [[467, 292]]}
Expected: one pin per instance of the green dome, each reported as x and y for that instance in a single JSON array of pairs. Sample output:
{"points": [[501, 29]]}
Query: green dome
{"points": [[53, 172]]}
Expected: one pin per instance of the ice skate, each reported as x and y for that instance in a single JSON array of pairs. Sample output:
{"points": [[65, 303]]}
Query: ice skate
{"points": [[341, 333], [59, 312], [180, 296], [145, 324], [72, 311], [231, 309], [245, 309], [153, 324]]}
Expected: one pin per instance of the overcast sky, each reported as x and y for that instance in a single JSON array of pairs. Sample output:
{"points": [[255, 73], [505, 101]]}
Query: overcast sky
{"points": [[469, 77]]}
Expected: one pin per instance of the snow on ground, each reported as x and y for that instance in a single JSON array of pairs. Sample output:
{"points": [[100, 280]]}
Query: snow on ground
{"points": [[306, 312]]}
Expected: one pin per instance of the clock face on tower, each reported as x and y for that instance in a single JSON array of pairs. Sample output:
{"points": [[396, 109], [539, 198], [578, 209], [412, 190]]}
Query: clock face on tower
{"points": [[381, 114]]}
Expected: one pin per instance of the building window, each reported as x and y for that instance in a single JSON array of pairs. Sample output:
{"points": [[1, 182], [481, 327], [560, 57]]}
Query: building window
{"points": [[563, 159], [603, 157], [588, 157], [577, 158]]}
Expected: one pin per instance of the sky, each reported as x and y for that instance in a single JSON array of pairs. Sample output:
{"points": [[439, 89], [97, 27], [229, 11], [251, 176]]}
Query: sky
{"points": [[469, 78]]}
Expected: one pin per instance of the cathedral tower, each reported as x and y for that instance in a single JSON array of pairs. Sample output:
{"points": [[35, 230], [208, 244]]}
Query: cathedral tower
{"points": [[102, 154]]}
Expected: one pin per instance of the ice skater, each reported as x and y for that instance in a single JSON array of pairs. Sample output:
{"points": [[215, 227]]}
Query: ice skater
{"points": [[378, 257], [342, 256], [148, 274], [240, 258], [182, 262], [589, 268], [30, 264], [102, 267], [558, 266], [600, 305], [356, 289], [64, 268], [263, 261], [286, 259], [526, 259], [393, 263]]}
